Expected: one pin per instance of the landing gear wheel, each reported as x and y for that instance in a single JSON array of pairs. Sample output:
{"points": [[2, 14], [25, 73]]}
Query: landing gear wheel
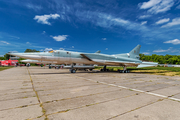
{"points": [[73, 71]]}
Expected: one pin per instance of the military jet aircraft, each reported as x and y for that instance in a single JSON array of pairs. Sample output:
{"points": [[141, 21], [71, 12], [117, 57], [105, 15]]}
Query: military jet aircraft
{"points": [[68, 57]]}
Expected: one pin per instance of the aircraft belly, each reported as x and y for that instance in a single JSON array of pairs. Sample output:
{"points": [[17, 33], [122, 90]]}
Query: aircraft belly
{"points": [[81, 60], [67, 60], [34, 57]]}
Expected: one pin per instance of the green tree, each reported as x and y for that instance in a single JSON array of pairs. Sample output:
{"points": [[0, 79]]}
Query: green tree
{"points": [[2, 58], [31, 50], [167, 59], [6, 56]]}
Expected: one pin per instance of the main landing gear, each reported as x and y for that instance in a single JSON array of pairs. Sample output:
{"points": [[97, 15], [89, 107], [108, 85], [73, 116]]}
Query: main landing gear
{"points": [[124, 70], [72, 70], [120, 71], [104, 69]]}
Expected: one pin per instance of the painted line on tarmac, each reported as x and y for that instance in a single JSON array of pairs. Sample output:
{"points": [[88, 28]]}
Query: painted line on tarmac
{"points": [[150, 93], [174, 99]]}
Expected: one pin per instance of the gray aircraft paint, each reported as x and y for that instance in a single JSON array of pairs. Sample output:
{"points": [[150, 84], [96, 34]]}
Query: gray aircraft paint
{"points": [[68, 57]]}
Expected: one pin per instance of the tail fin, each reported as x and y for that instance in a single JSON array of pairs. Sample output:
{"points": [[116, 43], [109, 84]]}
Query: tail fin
{"points": [[135, 52]]}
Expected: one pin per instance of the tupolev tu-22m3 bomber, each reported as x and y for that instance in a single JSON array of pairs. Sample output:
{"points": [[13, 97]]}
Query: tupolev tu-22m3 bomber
{"points": [[69, 57]]}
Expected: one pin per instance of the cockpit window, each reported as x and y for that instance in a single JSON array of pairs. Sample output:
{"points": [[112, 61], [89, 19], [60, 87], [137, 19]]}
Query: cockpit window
{"points": [[51, 51]]}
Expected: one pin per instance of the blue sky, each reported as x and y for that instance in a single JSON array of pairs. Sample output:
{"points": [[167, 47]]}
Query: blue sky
{"points": [[113, 26]]}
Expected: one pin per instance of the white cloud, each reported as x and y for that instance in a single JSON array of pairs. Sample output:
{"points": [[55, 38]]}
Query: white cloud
{"points": [[34, 7], [149, 4], [157, 6], [72, 46], [5, 42], [178, 7], [175, 21], [109, 21], [170, 50], [175, 41], [104, 38], [61, 48], [28, 43], [14, 37], [44, 32], [13, 51], [43, 19], [161, 50], [47, 49], [163, 21], [106, 48], [60, 37], [144, 16], [146, 53], [144, 22]]}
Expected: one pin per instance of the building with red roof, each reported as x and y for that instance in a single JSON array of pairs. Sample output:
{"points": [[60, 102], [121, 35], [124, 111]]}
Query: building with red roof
{"points": [[8, 62]]}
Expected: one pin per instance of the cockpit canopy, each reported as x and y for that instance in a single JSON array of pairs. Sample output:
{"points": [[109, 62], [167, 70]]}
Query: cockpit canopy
{"points": [[51, 51], [55, 51]]}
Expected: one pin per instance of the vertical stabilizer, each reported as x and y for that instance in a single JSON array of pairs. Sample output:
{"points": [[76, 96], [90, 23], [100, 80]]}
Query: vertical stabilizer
{"points": [[135, 52]]}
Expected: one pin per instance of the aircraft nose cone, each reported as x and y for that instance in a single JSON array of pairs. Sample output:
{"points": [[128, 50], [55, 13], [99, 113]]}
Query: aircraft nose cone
{"points": [[15, 54]]}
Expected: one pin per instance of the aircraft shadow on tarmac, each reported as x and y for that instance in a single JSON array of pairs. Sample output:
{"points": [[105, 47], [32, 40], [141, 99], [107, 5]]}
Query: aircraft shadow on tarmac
{"points": [[78, 72], [95, 71]]}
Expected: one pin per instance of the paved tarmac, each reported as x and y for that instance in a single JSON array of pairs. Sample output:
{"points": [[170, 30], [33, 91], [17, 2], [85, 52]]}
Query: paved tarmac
{"points": [[37, 93]]}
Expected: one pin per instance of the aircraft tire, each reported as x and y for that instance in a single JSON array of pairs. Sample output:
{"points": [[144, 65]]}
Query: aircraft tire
{"points": [[74, 71]]}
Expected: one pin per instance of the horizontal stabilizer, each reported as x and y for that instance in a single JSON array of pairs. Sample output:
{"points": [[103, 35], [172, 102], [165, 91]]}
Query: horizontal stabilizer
{"points": [[147, 64]]}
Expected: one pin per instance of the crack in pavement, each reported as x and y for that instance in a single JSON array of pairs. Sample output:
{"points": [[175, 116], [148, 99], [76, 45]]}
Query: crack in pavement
{"points": [[135, 109], [41, 104], [150, 93]]}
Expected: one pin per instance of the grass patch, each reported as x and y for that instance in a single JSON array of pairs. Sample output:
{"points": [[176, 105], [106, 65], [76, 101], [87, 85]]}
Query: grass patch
{"points": [[172, 69], [168, 71], [4, 68]]}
